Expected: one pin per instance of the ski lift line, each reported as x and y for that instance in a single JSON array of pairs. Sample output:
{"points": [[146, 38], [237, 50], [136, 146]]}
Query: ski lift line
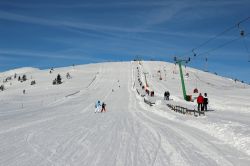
{"points": [[204, 43], [221, 33], [246, 47], [221, 46], [242, 33], [245, 44], [243, 20], [209, 40], [216, 36]]}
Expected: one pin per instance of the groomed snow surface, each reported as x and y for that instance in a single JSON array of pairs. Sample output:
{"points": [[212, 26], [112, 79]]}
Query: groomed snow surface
{"points": [[56, 124]]}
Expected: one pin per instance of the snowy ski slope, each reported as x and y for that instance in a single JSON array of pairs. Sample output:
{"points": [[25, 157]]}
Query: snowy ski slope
{"points": [[56, 124]]}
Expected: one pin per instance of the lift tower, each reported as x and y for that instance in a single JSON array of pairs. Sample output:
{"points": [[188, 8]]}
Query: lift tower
{"points": [[179, 62]]}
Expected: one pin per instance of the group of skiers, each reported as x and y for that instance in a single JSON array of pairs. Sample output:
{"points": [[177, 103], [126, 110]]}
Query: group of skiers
{"points": [[202, 102], [100, 107]]}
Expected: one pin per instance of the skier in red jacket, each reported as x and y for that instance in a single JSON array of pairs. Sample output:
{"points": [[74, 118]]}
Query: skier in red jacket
{"points": [[200, 101]]}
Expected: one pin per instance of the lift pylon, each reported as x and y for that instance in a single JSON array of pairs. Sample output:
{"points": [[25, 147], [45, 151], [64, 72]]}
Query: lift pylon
{"points": [[179, 61]]}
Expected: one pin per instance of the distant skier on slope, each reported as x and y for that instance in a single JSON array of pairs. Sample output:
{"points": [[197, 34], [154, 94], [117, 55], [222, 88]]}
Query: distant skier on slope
{"points": [[97, 106], [103, 107], [200, 101], [166, 95], [205, 102]]}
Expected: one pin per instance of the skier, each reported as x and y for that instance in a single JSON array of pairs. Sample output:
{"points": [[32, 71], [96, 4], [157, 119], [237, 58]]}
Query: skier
{"points": [[97, 106], [205, 101], [166, 95], [200, 101], [103, 107], [152, 93], [68, 76]]}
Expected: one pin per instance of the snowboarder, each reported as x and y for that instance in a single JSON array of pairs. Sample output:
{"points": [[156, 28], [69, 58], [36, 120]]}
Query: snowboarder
{"points": [[205, 102], [103, 107], [97, 106], [200, 101]]}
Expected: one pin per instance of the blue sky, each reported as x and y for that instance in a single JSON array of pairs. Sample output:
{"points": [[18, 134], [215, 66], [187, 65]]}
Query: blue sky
{"points": [[58, 33]]}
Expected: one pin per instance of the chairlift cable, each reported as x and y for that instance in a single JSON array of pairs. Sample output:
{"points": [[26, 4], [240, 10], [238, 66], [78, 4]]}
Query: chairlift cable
{"points": [[221, 33], [216, 36], [218, 47], [222, 45], [245, 44], [209, 40]]}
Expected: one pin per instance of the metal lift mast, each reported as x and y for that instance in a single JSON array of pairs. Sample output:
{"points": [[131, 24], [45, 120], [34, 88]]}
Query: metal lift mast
{"points": [[179, 62]]}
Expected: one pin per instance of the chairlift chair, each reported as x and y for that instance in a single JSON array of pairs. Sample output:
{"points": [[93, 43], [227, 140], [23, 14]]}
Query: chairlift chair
{"points": [[194, 53], [196, 90], [242, 32]]}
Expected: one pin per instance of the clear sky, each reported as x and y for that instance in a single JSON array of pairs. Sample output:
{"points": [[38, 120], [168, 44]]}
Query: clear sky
{"points": [[46, 33]]}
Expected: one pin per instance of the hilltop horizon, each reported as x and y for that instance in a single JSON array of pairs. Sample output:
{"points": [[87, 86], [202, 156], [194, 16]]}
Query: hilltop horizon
{"points": [[214, 34], [49, 67]]}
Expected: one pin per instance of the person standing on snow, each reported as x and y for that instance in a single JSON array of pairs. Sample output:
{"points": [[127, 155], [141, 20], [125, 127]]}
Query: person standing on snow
{"points": [[205, 102], [103, 107], [97, 106], [166, 95], [200, 101]]}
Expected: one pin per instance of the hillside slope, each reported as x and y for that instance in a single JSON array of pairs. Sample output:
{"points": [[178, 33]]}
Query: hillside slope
{"points": [[56, 124]]}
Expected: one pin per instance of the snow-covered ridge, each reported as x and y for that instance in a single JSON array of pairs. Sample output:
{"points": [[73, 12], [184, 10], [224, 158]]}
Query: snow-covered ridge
{"points": [[22, 70]]}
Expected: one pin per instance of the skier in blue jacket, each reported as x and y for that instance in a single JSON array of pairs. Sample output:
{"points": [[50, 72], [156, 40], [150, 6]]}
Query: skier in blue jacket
{"points": [[97, 106]]}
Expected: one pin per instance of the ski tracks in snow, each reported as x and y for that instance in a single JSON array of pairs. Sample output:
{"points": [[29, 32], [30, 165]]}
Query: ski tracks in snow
{"points": [[130, 133], [184, 142]]}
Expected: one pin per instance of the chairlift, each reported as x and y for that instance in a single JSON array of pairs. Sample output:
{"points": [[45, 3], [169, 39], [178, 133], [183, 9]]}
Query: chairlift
{"points": [[193, 52], [196, 84], [196, 90], [206, 64], [174, 71], [186, 73], [242, 34], [160, 78]]}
